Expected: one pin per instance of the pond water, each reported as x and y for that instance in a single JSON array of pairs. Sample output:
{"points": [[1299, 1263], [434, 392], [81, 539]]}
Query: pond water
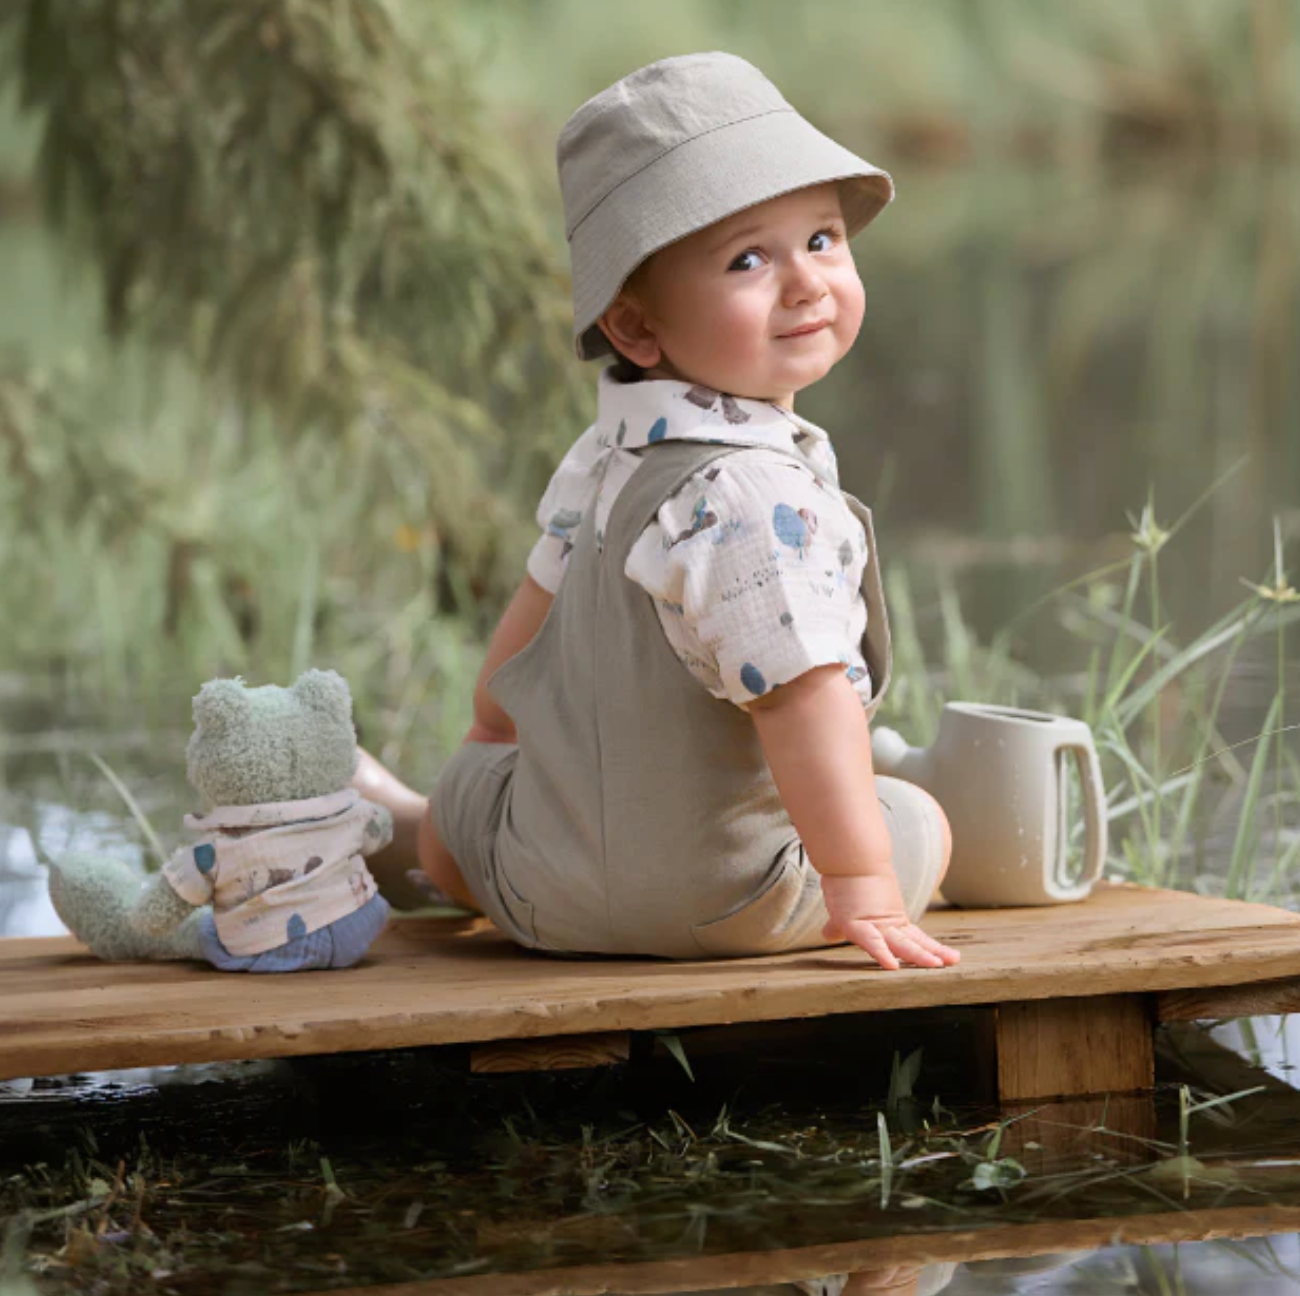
{"points": [[1040, 349], [762, 1174]]}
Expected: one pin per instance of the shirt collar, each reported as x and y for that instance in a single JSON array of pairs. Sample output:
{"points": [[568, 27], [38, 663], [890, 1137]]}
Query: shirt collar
{"points": [[268, 813], [630, 416]]}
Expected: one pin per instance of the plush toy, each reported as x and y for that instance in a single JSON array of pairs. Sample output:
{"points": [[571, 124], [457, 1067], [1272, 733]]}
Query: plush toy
{"points": [[273, 879]]}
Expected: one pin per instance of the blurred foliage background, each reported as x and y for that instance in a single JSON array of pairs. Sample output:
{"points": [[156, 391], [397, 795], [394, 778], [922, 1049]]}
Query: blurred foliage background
{"points": [[286, 360]]}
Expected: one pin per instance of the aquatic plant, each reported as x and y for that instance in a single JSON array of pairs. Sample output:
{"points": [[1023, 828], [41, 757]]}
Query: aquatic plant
{"points": [[1133, 668]]}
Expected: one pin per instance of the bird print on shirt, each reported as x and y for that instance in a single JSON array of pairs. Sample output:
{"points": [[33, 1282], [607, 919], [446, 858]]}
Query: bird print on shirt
{"points": [[702, 517], [561, 524], [706, 398]]}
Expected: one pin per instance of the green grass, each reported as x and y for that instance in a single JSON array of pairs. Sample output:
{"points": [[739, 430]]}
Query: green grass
{"points": [[1163, 772]]}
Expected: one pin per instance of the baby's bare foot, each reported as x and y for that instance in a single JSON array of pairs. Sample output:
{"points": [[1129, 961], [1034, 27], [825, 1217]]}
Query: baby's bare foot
{"points": [[379, 784], [391, 865]]}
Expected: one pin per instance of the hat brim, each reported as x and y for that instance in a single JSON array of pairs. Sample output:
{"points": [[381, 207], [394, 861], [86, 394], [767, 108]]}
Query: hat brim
{"points": [[699, 183]]}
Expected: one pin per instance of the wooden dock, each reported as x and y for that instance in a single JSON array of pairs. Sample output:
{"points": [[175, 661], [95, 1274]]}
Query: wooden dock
{"points": [[1073, 994]]}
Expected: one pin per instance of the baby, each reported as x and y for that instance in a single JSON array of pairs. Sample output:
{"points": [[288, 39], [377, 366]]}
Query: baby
{"points": [[670, 753]]}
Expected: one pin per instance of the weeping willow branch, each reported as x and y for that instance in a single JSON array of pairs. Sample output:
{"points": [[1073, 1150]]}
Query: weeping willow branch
{"points": [[308, 196]]}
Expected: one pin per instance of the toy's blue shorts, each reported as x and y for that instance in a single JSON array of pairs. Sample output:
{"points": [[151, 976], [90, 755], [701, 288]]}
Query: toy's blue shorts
{"points": [[339, 945]]}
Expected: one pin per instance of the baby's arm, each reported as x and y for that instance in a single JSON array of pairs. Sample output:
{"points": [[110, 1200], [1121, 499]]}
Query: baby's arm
{"points": [[815, 735], [520, 621]]}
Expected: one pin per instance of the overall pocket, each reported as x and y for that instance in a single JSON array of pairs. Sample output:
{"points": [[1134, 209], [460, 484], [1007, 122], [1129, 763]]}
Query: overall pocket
{"points": [[770, 921], [520, 916]]}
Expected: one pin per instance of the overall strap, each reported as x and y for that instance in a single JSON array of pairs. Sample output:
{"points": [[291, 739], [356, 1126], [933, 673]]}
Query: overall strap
{"points": [[664, 469]]}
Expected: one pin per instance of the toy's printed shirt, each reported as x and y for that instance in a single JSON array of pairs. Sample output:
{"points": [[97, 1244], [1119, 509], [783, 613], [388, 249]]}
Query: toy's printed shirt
{"points": [[279, 870], [755, 565]]}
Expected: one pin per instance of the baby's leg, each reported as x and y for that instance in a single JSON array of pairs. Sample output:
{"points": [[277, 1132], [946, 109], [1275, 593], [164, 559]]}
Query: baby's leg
{"points": [[912, 815], [415, 844], [947, 838]]}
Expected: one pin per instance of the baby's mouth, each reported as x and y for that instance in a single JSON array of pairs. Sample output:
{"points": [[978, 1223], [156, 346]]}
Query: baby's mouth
{"points": [[806, 329]]}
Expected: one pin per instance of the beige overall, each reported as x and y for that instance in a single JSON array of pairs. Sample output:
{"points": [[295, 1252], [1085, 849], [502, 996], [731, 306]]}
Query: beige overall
{"points": [[637, 814]]}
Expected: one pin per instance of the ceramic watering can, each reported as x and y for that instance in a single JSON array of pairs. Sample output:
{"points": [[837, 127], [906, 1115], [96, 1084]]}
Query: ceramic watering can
{"points": [[1001, 776]]}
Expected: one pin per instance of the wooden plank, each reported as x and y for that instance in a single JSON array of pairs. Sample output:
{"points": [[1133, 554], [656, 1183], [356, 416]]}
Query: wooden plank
{"points": [[1207, 1003], [62, 1010], [1064, 1048], [561, 1053], [752, 1269]]}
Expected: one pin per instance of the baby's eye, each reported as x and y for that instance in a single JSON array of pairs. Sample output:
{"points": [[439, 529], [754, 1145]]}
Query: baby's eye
{"points": [[823, 241]]}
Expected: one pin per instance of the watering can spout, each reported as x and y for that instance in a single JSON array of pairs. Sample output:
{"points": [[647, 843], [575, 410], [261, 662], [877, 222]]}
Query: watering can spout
{"points": [[892, 757]]}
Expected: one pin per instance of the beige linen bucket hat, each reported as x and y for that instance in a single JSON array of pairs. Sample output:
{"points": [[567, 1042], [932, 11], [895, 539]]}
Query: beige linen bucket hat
{"points": [[677, 146]]}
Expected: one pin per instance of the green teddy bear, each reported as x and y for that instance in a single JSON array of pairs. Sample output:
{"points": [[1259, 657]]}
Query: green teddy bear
{"points": [[274, 879]]}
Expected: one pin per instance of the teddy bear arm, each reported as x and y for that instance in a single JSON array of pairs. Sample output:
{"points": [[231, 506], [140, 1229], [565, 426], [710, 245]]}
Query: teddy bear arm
{"points": [[160, 909], [379, 829]]}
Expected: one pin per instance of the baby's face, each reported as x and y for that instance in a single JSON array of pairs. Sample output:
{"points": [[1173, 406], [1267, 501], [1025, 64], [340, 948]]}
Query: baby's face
{"points": [[761, 304]]}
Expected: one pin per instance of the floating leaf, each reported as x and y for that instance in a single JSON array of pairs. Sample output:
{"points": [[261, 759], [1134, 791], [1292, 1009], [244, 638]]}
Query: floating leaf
{"points": [[1003, 1173]]}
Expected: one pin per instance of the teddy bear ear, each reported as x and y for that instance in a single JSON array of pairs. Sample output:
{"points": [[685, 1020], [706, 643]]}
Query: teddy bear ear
{"points": [[325, 692], [221, 704]]}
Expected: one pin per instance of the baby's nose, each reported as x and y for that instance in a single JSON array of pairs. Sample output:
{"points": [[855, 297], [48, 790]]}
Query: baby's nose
{"points": [[803, 281]]}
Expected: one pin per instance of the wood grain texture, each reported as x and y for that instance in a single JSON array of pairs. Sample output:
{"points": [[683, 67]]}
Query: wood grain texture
{"points": [[1210, 1003], [63, 1010], [1061, 1048], [725, 1272], [560, 1053]]}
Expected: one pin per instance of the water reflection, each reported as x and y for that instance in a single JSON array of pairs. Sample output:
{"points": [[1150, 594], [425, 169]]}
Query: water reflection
{"points": [[25, 908], [901, 1280], [1255, 1266], [359, 1170], [54, 800]]}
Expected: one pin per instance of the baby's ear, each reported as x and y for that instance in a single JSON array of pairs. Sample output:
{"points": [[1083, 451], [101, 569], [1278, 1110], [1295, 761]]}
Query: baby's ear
{"points": [[625, 327], [326, 693], [221, 706]]}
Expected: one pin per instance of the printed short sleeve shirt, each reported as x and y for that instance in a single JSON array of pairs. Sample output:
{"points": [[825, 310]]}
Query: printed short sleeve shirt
{"points": [[754, 565], [280, 869]]}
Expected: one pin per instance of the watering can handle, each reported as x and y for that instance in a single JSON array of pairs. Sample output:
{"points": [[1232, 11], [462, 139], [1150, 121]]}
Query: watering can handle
{"points": [[1094, 809]]}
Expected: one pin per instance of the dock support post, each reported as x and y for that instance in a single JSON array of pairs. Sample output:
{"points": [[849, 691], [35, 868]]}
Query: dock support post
{"points": [[552, 1053], [1059, 1048], [1074, 1049]]}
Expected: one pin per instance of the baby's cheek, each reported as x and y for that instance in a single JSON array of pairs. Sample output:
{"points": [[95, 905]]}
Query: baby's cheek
{"points": [[853, 303], [729, 335]]}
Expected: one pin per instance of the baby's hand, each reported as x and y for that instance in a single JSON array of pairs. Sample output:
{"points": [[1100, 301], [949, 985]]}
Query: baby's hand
{"points": [[869, 911], [901, 1280]]}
